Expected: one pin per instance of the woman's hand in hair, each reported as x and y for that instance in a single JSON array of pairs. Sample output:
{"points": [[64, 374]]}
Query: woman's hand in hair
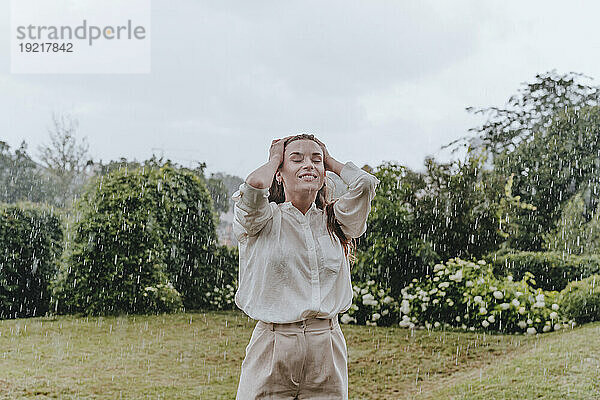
{"points": [[276, 150], [331, 164]]}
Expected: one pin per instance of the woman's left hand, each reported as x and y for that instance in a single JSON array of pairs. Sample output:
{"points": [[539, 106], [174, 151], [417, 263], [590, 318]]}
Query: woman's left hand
{"points": [[326, 156]]}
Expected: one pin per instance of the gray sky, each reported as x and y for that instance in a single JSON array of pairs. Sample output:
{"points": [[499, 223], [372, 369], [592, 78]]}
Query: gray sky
{"points": [[374, 80]]}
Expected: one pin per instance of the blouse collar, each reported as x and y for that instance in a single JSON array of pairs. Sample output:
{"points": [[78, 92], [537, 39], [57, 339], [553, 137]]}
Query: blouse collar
{"points": [[288, 205]]}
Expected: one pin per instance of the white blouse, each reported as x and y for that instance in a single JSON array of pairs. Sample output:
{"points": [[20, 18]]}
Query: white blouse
{"points": [[290, 268]]}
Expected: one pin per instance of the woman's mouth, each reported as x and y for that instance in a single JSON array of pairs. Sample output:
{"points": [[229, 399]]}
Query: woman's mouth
{"points": [[308, 177]]}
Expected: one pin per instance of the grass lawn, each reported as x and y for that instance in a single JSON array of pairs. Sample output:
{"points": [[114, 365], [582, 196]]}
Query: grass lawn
{"points": [[198, 356]]}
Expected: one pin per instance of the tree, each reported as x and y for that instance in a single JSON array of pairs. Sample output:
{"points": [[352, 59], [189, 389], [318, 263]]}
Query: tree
{"points": [[65, 158], [456, 206], [21, 179], [550, 169], [530, 111]]}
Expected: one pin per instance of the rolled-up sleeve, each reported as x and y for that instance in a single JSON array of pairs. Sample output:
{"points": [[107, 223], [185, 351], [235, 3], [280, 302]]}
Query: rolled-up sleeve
{"points": [[352, 209], [251, 210]]}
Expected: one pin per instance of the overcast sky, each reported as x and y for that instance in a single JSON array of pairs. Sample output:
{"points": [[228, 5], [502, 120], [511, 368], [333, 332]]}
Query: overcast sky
{"points": [[374, 80]]}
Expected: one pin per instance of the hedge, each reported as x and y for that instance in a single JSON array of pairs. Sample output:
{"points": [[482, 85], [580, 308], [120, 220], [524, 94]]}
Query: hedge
{"points": [[552, 270], [30, 248]]}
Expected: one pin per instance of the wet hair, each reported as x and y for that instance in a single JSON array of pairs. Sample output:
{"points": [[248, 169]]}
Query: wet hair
{"points": [[323, 201]]}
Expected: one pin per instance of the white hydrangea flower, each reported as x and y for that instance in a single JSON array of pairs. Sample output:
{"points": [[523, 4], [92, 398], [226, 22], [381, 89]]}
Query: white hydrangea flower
{"points": [[493, 288], [540, 297], [504, 306], [375, 316], [498, 294], [459, 275], [405, 307], [368, 296], [522, 324], [436, 324], [515, 302], [387, 300], [555, 307], [553, 315], [522, 310], [509, 278], [477, 299], [481, 262], [529, 321], [437, 267], [482, 310], [469, 284], [485, 323], [457, 318], [433, 291], [385, 312], [531, 331], [491, 319], [370, 283], [346, 319], [444, 284], [557, 327], [364, 291]]}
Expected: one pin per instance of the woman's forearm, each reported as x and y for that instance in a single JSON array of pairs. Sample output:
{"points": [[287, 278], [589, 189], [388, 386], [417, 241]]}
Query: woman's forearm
{"points": [[262, 177], [335, 166]]}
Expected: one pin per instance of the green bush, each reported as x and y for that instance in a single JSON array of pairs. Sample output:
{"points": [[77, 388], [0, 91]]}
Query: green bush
{"points": [[392, 250], [162, 298], [553, 270], [371, 305], [580, 300], [226, 263], [466, 294], [136, 229], [30, 247]]}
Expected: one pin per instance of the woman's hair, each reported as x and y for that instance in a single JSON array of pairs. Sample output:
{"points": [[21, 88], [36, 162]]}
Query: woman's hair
{"points": [[323, 202]]}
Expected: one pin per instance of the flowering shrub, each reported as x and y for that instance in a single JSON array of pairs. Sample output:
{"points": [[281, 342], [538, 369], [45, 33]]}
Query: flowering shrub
{"points": [[162, 298], [222, 298], [371, 305], [467, 295], [580, 300]]}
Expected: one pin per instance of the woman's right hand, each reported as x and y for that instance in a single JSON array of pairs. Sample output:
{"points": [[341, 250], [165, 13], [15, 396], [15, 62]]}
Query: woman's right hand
{"points": [[276, 150]]}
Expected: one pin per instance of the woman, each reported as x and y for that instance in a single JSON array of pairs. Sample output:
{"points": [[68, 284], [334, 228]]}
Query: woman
{"points": [[294, 273]]}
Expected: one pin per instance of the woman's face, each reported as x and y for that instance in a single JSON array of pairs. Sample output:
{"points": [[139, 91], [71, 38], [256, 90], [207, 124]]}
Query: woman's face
{"points": [[303, 169]]}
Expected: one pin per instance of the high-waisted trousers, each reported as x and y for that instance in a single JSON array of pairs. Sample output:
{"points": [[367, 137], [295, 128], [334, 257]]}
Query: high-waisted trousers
{"points": [[299, 360]]}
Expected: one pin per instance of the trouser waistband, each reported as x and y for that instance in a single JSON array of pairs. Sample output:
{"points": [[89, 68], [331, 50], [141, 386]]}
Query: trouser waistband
{"points": [[306, 325]]}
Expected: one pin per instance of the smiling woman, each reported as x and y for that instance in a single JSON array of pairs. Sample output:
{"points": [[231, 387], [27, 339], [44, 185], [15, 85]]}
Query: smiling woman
{"points": [[294, 275]]}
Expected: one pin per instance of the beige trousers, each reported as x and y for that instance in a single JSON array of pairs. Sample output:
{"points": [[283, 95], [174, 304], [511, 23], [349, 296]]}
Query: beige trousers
{"points": [[298, 360]]}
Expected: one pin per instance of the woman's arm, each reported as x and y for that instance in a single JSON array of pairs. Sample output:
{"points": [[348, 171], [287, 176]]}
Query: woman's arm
{"points": [[352, 209], [252, 211], [262, 177]]}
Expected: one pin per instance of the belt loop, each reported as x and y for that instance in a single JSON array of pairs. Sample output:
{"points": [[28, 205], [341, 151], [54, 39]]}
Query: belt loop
{"points": [[331, 323], [273, 326]]}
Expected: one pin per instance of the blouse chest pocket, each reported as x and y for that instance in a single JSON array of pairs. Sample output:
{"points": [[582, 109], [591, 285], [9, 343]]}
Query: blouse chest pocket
{"points": [[331, 252]]}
